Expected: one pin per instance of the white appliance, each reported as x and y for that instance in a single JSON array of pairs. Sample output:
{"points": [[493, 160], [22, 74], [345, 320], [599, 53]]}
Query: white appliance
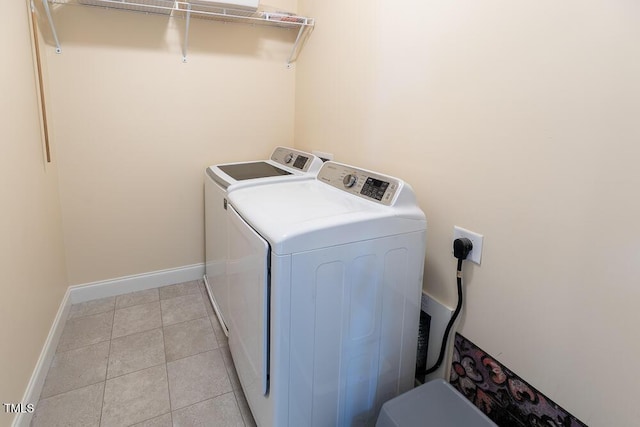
{"points": [[285, 164], [325, 280]]}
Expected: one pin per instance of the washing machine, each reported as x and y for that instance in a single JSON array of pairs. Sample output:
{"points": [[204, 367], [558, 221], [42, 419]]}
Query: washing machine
{"points": [[285, 164], [325, 284]]}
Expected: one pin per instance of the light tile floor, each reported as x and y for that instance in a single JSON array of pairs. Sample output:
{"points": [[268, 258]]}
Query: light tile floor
{"points": [[151, 358]]}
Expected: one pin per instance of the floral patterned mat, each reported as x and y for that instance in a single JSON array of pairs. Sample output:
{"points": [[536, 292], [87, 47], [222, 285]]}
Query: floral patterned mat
{"points": [[503, 396]]}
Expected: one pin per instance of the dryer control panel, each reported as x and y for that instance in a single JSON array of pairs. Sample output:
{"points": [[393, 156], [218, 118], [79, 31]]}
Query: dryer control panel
{"points": [[292, 158], [360, 182]]}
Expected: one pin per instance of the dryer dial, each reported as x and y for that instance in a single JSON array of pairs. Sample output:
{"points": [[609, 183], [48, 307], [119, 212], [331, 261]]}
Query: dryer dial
{"points": [[288, 158], [350, 180]]}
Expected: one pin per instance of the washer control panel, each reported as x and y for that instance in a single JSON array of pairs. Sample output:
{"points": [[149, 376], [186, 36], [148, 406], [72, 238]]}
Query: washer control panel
{"points": [[292, 158], [374, 188], [362, 183]]}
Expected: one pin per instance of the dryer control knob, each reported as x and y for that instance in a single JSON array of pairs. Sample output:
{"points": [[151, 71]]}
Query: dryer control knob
{"points": [[350, 180], [288, 158]]}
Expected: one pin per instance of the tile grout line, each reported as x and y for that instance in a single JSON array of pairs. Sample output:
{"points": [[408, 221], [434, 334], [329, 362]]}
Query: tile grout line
{"points": [[166, 363], [91, 314], [211, 398], [69, 391], [136, 371], [131, 307], [185, 321], [235, 395], [137, 292], [166, 370], [106, 373], [81, 347], [204, 400], [197, 354]]}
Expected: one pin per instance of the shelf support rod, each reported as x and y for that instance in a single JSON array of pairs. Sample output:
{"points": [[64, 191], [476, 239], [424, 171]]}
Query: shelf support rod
{"points": [[45, 4], [186, 34], [295, 45]]}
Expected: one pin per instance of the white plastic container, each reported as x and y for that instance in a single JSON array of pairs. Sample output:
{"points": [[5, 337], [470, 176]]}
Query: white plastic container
{"points": [[163, 7], [230, 4]]}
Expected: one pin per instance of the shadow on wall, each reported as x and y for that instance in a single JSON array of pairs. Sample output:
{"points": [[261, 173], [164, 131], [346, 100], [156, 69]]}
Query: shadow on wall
{"points": [[98, 26]]}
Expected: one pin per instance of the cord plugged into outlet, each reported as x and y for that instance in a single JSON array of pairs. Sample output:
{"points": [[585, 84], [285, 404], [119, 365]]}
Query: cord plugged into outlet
{"points": [[462, 248], [467, 245], [476, 239]]}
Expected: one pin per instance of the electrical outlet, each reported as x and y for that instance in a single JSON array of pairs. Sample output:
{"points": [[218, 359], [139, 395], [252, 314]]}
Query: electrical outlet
{"points": [[476, 239]]}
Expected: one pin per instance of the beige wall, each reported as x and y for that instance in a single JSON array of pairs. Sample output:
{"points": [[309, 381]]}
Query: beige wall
{"points": [[31, 254], [134, 129], [518, 120]]}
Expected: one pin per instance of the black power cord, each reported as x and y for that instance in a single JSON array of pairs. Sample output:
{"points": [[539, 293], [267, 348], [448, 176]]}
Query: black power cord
{"points": [[461, 249]]}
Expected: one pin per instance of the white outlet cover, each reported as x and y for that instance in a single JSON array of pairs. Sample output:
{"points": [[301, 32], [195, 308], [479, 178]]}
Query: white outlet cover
{"points": [[476, 253]]}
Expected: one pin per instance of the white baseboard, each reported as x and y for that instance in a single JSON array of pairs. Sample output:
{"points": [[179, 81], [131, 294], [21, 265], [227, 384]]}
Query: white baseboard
{"points": [[91, 291], [32, 393], [136, 282], [440, 315]]}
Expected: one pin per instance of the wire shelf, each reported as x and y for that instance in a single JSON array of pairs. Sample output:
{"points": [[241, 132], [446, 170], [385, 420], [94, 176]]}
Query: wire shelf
{"points": [[200, 9], [197, 9]]}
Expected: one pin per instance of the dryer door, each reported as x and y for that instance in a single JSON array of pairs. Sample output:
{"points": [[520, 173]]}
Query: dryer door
{"points": [[248, 275], [215, 226]]}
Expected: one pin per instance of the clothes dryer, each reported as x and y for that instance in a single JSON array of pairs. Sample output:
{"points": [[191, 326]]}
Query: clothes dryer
{"points": [[325, 280], [285, 164]]}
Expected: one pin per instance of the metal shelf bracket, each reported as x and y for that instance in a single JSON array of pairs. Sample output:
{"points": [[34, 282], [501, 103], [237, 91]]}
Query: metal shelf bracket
{"points": [[185, 44], [45, 4], [294, 49]]}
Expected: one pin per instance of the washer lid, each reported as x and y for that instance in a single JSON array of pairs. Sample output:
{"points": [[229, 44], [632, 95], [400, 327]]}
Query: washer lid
{"points": [[284, 164], [252, 170]]}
